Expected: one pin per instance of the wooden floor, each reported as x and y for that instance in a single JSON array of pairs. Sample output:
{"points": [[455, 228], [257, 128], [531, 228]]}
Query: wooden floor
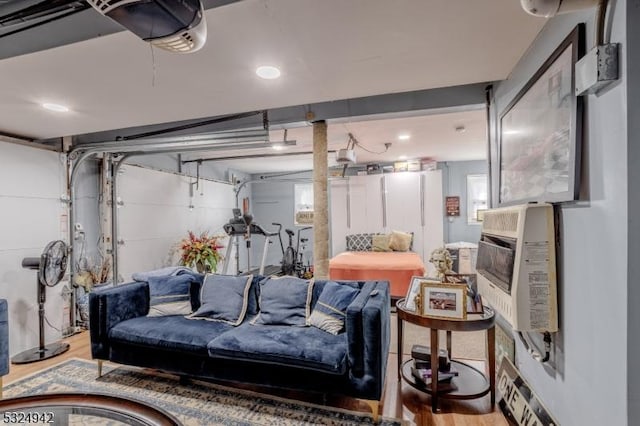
{"points": [[399, 401]]}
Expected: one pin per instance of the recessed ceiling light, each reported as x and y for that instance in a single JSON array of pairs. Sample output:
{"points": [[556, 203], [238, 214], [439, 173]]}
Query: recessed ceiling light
{"points": [[404, 137], [403, 157], [55, 107], [268, 72], [277, 147]]}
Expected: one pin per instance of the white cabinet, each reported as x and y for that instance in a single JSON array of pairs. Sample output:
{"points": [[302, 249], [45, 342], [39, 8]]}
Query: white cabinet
{"points": [[365, 204], [408, 202], [339, 214], [404, 205], [433, 213]]}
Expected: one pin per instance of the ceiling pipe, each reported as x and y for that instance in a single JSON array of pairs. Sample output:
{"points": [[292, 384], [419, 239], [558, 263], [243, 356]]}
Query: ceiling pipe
{"points": [[252, 135], [242, 157]]}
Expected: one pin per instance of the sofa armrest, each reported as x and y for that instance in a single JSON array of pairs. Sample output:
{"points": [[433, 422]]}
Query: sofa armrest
{"points": [[368, 333], [110, 306], [4, 339]]}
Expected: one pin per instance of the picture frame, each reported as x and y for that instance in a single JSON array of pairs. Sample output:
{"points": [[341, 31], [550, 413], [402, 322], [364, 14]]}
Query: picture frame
{"points": [[540, 132], [414, 290], [443, 300], [474, 300], [471, 280]]}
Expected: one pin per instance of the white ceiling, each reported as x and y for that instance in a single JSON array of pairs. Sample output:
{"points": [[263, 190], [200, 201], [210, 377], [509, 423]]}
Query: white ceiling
{"points": [[327, 50]]}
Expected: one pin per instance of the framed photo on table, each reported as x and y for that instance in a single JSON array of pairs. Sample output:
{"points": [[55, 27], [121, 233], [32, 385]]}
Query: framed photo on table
{"points": [[443, 300], [414, 290], [474, 301]]}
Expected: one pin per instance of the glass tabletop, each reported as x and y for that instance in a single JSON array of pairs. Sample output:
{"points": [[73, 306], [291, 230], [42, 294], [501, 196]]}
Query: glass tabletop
{"points": [[82, 409]]}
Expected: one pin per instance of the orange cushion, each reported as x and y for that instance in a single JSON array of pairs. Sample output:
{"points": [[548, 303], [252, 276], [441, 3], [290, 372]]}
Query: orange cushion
{"points": [[395, 267]]}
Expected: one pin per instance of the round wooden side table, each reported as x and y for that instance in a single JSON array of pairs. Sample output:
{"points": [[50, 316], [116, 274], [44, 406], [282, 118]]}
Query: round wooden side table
{"points": [[470, 383]]}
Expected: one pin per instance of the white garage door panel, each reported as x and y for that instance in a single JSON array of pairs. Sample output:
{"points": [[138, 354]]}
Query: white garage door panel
{"points": [[147, 186], [18, 286], [215, 195], [144, 221], [30, 172], [29, 222], [146, 255], [31, 183], [212, 219], [156, 216]]}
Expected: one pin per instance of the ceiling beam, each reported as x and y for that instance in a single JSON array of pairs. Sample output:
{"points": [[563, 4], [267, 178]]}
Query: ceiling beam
{"points": [[446, 99]]}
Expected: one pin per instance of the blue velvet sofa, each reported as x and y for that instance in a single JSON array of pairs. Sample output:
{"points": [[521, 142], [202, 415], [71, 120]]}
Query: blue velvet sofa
{"points": [[352, 363], [4, 341]]}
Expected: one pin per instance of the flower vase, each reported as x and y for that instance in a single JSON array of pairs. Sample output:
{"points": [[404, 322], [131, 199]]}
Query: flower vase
{"points": [[201, 268]]}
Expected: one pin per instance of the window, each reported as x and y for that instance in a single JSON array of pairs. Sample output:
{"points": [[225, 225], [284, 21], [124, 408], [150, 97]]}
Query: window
{"points": [[476, 198], [303, 207]]}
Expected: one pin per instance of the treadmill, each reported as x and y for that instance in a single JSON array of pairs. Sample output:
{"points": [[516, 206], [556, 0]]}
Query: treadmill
{"points": [[243, 226]]}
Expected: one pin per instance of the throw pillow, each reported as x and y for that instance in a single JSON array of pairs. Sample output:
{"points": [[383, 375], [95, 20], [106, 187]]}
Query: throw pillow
{"points": [[284, 301], [170, 295], [359, 242], [400, 241], [162, 272], [224, 298], [331, 308], [381, 242]]}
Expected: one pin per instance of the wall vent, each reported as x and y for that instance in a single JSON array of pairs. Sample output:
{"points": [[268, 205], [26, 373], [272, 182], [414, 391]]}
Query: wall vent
{"points": [[502, 221]]}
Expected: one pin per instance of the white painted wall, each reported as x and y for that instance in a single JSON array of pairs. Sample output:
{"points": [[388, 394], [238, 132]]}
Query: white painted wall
{"points": [[156, 216], [586, 383], [31, 184]]}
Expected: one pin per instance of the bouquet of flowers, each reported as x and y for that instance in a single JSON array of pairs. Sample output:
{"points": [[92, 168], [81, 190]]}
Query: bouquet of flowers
{"points": [[201, 252]]}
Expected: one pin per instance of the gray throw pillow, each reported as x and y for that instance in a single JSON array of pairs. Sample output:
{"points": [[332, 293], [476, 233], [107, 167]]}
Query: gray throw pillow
{"points": [[331, 308], [284, 301], [359, 242], [223, 298], [169, 295]]}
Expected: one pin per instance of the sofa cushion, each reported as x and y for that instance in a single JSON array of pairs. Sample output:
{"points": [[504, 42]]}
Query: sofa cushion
{"points": [[306, 347], [172, 333], [170, 295], [224, 298], [330, 310], [284, 301]]}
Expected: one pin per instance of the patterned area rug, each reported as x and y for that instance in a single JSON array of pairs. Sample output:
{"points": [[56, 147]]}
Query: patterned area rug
{"points": [[194, 403]]}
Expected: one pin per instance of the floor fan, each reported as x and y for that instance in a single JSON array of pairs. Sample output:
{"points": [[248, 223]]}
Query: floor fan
{"points": [[51, 266]]}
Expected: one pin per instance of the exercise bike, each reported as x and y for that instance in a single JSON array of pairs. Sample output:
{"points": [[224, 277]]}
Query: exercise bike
{"points": [[293, 258]]}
